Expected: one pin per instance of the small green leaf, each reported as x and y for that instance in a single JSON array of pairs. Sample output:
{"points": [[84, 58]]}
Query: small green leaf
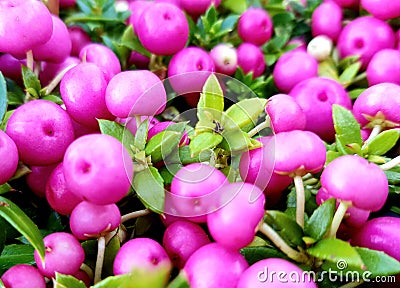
{"points": [[236, 6], [112, 248], [347, 129], [16, 254], [238, 141], [184, 156], [4, 188], [244, 114], [21, 222], [204, 141], [227, 25], [162, 144], [378, 263], [53, 98], [211, 100], [331, 155], [149, 187], [180, 281], [67, 281], [393, 176], [383, 142], [349, 74], [3, 125], [320, 221], [130, 40], [353, 94], [15, 94], [31, 81], [336, 250], [285, 226], [254, 254], [328, 69], [3, 97], [117, 131], [141, 135]]}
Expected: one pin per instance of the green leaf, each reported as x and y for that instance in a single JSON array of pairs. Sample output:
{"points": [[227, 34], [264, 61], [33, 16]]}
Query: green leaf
{"points": [[236, 6], [254, 254], [227, 25], [238, 141], [211, 100], [204, 141], [184, 156], [117, 131], [320, 221], [393, 176], [53, 98], [349, 74], [336, 250], [285, 226], [21, 222], [112, 248], [149, 187], [130, 40], [244, 114], [16, 254], [180, 281], [31, 81], [328, 69], [141, 135], [15, 94], [378, 263], [5, 188], [67, 281], [3, 97], [3, 234], [347, 129], [162, 144], [3, 125], [383, 142], [353, 94]]}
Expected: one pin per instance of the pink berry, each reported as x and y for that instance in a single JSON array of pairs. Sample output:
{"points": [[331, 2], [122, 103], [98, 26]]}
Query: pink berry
{"points": [[255, 26], [327, 20], [384, 67], [98, 168], [214, 266], [302, 66], [226, 225], [59, 197], [64, 254], [354, 179], [225, 58], [138, 92], [138, 60], [353, 4], [11, 67], [163, 29], [181, 239], [42, 131], [79, 39], [92, 221], [37, 179], [22, 276], [198, 7], [251, 59], [67, 3], [83, 90], [136, 8], [9, 151], [380, 10], [316, 96]]}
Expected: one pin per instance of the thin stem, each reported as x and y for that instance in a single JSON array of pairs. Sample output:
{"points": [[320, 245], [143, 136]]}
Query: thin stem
{"points": [[337, 218], [259, 127], [272, 235], [138, 119], [134, 215], [29, 60], [300, 200], [375, 131], [391, 164], [56, 80], [101, 247], [86, 268], [37, 68]]}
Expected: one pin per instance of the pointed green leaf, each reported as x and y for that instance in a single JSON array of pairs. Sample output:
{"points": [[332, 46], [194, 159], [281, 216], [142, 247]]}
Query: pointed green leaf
{"points": [[237, 141], [211, 100], [131, 41], [204, 141], [336, 250], [184, 156], [53, 98], [149, 187], [285, 226], [353, 94], [244, 114], [15, 94], [3, 97], [3, 125], [16, 254], [383, 142], [180, 281], [22, 223], [328, 69], [254, 254], [141, 135], [67, 281], [349, 74], [162, 144], [4, 188], [236, 6], [320, 221], [31, 81], [378, 263], [117, 131], [347, 129]]}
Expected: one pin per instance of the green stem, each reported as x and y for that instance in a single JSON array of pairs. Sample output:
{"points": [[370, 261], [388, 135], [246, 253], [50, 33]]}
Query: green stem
{"points": [[101, 247], [375, 131], [391, 164], [138, 119], [259, 127], [300, 200], [337, 218], [134, 215]]}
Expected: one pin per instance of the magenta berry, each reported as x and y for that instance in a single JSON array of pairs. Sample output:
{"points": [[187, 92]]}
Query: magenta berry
{"points": [[143, 254], [251, 59], [60, 198], [138, 92], [136, 8], [285, 114], [98, 168], [92, 221], [225, 58], [384, 67], [316, 96], [64, 254], [9, 151], [255, 26], [42, 131], [214, 266], [140, 61], [38, 177], [11, 67], [354, 179], [327, 20], [163, 29], [83, 90], [352, 4], [365, 36], [23, 275], [103, 57], [199, 7], [226, 225], [302, 66], [181, 239], [379, 9], [79, 39]]}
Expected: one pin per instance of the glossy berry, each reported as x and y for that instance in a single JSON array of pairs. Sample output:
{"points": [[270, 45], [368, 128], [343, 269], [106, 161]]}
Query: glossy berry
{"points": [[226, 225], [23, 275], [251, 59], [9, 151], [181, 239], [199, 7], [42, 131], [327, 20], [136, 8], [98, 168], [10, 67], [384, 67], [161, 126], [255, 26], [79, 39], [379, 9], [225, 58], [38, 177]]}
